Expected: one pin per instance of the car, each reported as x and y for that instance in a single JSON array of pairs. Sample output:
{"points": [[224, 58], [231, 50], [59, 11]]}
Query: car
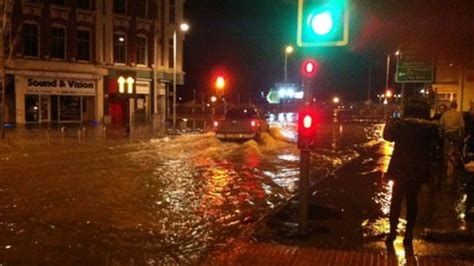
{"points": [[241, 123]]}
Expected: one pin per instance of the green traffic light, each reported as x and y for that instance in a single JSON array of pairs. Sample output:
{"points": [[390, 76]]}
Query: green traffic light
{"points": [[321, 23]]}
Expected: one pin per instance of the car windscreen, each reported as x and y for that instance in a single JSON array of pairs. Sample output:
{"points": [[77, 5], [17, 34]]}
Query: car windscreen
{"points": [[244, 113]]}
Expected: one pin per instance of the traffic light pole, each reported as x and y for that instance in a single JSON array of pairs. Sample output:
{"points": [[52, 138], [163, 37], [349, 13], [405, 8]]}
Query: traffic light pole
{"points": [[305, 160]]}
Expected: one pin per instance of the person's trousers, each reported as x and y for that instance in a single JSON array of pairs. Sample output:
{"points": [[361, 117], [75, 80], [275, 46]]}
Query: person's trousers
{"points": [[409, 191], [454, 139]]}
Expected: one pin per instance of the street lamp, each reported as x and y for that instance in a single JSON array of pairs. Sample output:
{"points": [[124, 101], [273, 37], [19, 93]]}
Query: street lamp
{"points": [[183, 27], [387, 76], [288, 50]]}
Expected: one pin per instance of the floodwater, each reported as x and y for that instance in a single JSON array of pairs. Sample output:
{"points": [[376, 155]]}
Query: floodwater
{"points": [[159, 201]]}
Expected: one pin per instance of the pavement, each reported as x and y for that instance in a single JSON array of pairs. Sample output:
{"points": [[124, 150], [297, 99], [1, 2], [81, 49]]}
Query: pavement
{"points": [[273, 254]]}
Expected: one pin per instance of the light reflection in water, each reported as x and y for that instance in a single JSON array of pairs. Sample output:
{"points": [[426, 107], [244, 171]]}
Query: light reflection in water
{"points": [[461, 211]]}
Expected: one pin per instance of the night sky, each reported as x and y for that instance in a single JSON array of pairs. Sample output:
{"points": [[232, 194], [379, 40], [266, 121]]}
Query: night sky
{"points": [[245, 40]]}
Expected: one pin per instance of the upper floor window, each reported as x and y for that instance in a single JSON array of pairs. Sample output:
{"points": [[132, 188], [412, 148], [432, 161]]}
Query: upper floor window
{"points": [[172, 11], [120, 6], [171, 53], [84, 45], [58, 42], [142, 8], [35, 1], [120, 48], [84, 4], [30, 40], [57, 2], [142, 50]]}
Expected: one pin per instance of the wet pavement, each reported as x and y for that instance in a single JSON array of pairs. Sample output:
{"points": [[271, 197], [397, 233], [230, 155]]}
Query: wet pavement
{"points": [[350, 209], [165, 200]]}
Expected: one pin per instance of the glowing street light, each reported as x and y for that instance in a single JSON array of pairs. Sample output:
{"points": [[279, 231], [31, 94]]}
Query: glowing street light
{"points": [[388, 94], [213, 99], [288, 50], [336, 100], [184, 27]]}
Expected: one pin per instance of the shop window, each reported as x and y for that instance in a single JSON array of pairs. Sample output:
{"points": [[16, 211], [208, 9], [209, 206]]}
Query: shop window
{"points": [[31, 108], [58, 43], [142, 8], [120, 7], [142, 50], [84, 4], [30, 40], [172, 11], [120, 48], [171, 53], [84, 45]]}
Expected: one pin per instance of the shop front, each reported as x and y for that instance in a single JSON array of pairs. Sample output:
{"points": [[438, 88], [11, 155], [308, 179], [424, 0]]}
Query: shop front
{"points": [[128, 99], [54, 100]]}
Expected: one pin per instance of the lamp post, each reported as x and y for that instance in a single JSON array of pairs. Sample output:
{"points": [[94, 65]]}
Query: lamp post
{"points": [[288, 50], [387, 76], [183, 27]]}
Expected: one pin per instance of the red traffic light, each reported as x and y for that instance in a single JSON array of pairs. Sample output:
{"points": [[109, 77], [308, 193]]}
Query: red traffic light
{"points": [[308, 120], [309, 68], [220, 82]]}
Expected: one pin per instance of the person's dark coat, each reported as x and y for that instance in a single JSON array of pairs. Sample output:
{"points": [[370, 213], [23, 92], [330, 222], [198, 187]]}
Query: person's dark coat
{"points": [[412, 154]]}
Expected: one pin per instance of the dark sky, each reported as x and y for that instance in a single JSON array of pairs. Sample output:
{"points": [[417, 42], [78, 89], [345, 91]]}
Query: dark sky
{"points": [[245, 40]]}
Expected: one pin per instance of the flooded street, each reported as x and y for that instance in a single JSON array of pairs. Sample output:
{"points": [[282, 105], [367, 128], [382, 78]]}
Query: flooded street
{"points": [[175, 200], [166, 200]]}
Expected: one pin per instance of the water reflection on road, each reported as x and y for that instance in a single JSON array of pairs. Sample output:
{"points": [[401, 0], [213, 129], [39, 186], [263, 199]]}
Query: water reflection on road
{"points": [[160, 201]]}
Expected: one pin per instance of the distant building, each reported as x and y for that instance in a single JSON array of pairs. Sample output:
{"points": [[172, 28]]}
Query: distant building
{"points": [[92, 60], [454, 81]]}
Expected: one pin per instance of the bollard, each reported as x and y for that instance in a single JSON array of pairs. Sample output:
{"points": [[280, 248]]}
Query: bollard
{"points": [[205, 126], [63, 131], [105, 132], [139, 131], [84, 131], [79, 135]]}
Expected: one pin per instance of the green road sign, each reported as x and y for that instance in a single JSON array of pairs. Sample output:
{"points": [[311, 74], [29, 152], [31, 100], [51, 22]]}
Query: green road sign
{"points": [[414, 70]]}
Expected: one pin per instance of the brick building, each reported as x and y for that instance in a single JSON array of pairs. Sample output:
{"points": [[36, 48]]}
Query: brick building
{"points": [[92, 60]]}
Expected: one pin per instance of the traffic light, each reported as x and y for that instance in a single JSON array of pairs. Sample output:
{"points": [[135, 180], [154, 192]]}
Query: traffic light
{"points": [[323, 23], [308, 122], [309, 68], [220, 83]]}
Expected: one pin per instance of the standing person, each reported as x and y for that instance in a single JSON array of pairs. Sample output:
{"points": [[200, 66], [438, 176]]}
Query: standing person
{"points": [[468, 152], [410, 165], [469, 120], [441, 110], [452, 130]]}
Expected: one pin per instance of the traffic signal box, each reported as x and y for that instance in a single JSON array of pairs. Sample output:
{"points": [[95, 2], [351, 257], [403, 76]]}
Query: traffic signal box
{"points": [[308, 122], [323, 23]]}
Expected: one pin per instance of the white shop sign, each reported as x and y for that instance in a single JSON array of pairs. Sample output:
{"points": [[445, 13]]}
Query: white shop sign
{"points": [[60, 86]]}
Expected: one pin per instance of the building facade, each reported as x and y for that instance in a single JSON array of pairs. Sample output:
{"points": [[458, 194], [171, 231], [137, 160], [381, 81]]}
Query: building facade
{"points": [[454, 81], [101, 61]]}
